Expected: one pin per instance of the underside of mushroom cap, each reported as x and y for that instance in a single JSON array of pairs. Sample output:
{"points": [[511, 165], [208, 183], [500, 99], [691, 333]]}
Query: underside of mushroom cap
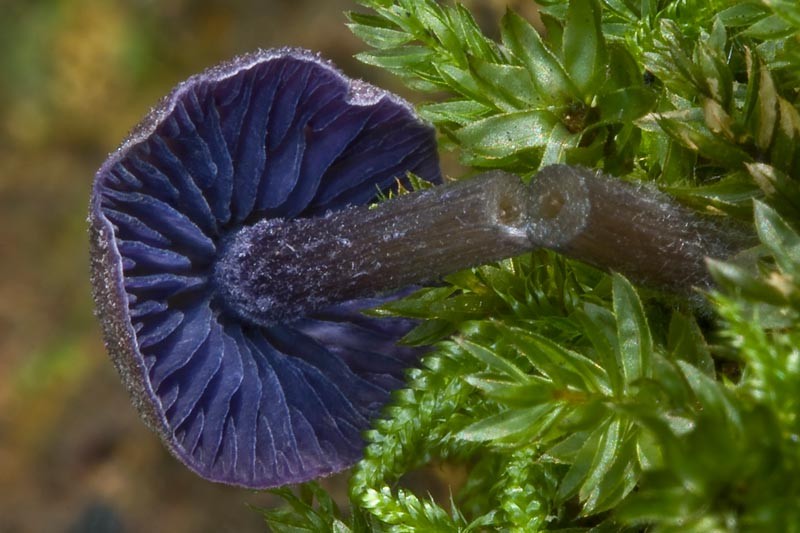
{"points": [[270, 135]]}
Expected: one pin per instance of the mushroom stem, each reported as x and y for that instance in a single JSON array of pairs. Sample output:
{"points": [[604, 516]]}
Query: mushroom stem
{"points": [[277, 270], [629, 228]]}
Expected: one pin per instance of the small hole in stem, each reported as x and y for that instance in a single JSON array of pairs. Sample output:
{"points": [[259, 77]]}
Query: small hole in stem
{"points": [[508, 211], [551, 204]]}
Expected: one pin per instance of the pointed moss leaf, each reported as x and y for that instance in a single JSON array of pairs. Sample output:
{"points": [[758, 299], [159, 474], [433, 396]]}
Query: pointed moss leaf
{"points": [[490, 383], [559, 144], [504, 282], [504, 135], [737, 280], [428, 332], [433, 18], [672, 161], [714, 399], [415, 306], [565, 367], [463, 82], [605, 453], [599, 326], [744, 14], [387, 10], [617, 482], [788, 10], [671, 60], [512, 83], [313, 510], [462, 307], [635, 343], [650, 122], [397, 58], [669, 506], [782, 191], [697, 137], [626, 104], [493, 361], [591, 154], [546, 71], [717, 119], [566, 450], [768, 28], [728, 276], [648, 451], [717, 39], [716, 75], [753, 87], [786, 143], [466, 280], [534, 391], [685, 341], [623, 69], [375, 31], [584, 48], [668, 380], [764, 114], [462, 112], [596, 452], [621, 9], [778, 55], [340, 527], [381, 38], [779, 237], [507, 424], [469, 32], [732, 195]]}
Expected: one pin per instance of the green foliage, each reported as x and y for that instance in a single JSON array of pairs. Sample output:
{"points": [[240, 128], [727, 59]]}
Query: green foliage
{"points": [[311, 510], [519, 103], [575, 400]]}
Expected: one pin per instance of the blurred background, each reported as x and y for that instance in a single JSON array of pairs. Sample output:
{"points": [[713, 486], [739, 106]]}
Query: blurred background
{"points": [[75, 76]]}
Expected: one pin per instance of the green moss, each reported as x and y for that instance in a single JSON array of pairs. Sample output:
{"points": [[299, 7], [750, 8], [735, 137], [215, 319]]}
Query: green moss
{"points": [[578, 400]]}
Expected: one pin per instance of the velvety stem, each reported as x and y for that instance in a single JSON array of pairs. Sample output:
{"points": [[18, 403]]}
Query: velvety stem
{"points": [[276, 270], [279, 269], [629, 228]]}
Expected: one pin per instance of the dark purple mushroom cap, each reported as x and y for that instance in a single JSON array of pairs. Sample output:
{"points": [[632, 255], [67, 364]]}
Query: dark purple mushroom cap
{"points": [[275, 134]]}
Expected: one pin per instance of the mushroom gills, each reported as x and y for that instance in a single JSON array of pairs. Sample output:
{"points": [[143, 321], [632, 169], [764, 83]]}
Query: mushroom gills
{"points": [[271, 135]]}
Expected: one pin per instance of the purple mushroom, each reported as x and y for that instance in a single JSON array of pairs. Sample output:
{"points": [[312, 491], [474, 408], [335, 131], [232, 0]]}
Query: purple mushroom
{"points": [[270, 136], [233, 250]]}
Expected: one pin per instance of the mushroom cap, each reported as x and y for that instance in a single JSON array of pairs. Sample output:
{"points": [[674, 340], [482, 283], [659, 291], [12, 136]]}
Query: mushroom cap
{"points": [[273, 134]]}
